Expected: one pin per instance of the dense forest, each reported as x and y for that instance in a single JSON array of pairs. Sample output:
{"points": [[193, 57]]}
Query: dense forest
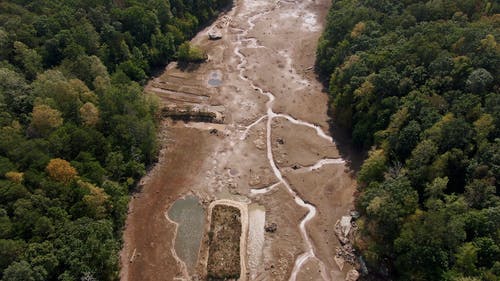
{"points": [[417, 83], [76, 133]]}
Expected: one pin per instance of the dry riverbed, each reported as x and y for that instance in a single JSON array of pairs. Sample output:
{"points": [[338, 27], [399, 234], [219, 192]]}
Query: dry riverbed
{"points": [[272, 148]]}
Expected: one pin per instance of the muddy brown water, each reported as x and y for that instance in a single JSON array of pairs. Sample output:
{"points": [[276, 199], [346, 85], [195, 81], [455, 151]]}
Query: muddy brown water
{"points": [[190, 216]]}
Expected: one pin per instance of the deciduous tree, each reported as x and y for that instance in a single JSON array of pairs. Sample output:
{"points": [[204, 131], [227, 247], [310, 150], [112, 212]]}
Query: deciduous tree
{"points": [[45, 119], [61, 170]]}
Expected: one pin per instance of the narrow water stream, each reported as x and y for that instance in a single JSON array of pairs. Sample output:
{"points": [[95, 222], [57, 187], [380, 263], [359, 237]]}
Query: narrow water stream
{"points": [[270, 115]]}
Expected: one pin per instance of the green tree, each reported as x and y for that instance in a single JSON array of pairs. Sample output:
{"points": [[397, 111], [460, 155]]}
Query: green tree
{"points": [[373, 168], [466, 259], [5, 225], [54, 89], [21, 271], [488, 251], [479, 81], [11, 250], [28, 59], [88, 69], [390, 204], [425, 246], [42, 255], [417, 81], [14, 93], [189, 53], [418, 163], [481, 194]]}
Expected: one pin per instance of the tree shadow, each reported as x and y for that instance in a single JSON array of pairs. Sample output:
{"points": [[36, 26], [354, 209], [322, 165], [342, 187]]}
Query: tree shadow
{"points": [[353, 155], [188, 66]]}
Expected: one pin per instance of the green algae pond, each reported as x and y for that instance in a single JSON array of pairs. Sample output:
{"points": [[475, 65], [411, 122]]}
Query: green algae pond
{"points": [[190, 216]]}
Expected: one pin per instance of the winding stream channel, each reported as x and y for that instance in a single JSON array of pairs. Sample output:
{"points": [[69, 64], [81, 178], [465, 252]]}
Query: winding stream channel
{"points": [[310, 253], [272, 150]]}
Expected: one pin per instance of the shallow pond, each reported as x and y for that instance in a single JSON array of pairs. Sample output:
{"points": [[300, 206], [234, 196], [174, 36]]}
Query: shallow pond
{"points": [[190, 216], [215, 79]]}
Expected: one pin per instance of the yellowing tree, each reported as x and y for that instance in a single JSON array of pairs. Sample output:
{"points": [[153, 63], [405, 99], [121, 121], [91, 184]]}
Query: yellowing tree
{"points": [[484, 126], [96, 201], [358, 29], [61, 170], [44, 119], [15, 176], [89, 114]]}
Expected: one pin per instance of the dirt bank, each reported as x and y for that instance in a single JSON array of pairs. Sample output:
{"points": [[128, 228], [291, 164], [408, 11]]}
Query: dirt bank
{"points": [[274, 118], [148, 236]]}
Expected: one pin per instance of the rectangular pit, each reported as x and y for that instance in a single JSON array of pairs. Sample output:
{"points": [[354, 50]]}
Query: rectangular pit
{"points": [[224, 243]]}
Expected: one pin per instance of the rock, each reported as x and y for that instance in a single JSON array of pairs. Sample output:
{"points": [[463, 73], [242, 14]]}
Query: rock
{"points": [[280, 141], [345, 224], [214, 35], [272, 227], [352, 275], [254, 180], [260, 144], [213, 131], [354, 214], [339, 261]]}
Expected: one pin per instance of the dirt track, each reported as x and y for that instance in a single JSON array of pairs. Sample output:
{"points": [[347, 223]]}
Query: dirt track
{"points": [[275, 119]]}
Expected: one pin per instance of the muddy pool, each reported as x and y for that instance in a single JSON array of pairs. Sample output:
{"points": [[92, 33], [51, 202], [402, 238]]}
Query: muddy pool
{"points": [[190, 216]]}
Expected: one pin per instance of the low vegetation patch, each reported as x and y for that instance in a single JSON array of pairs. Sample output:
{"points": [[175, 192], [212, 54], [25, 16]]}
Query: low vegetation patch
{"points": [[186, 114], [224, 243], [190, 53]]}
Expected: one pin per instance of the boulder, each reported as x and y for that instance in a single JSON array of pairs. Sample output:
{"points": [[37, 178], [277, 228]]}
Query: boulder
{"points": [[214, 35], [352, 275], [272, 227], [354, 214], [345, 224]]}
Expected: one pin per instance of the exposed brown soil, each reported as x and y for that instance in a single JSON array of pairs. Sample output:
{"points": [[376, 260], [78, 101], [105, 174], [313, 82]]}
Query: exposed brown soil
{"points": [[281, 247], [326, 187], [277, 42], [287, 137], [224, 243], [148, 236]]}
